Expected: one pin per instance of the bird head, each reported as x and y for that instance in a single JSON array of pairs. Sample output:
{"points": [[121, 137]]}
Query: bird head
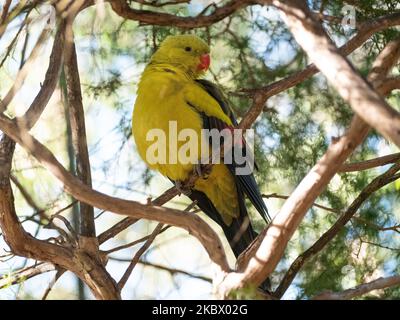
{"points": [[187, 52]]}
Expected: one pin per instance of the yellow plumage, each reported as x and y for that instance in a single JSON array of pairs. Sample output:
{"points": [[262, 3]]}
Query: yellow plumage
{"points": [[167, 92]]}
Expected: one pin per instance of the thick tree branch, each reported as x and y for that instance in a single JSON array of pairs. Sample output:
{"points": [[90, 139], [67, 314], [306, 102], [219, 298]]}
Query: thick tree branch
{"points": [[125, 223], [79, 141], [376, 184], [260, 260], [4, 12], [192, 223], [23, 244], [353, 88], [381, 67], [88, 269], [122, 8]]}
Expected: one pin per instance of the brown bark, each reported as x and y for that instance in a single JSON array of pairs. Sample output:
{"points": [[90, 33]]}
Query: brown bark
{"points": [[79, 141], [380, 283], [122, 8]]}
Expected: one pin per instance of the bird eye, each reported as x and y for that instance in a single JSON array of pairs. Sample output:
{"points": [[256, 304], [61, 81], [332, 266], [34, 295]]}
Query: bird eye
{"points": [[188, 49]]}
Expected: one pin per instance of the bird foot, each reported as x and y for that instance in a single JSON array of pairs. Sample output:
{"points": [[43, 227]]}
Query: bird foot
{"points": [[180, 186], [202, 170]]}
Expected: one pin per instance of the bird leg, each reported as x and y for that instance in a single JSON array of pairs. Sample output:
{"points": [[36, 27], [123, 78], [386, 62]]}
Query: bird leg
{"points": [[184, 187], [202, 171]]}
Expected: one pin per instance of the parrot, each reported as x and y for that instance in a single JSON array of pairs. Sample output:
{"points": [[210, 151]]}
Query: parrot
{"points": [[172, 88]]}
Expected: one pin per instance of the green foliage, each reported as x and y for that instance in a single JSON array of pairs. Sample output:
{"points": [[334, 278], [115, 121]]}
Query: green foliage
{"points": [[247, 293]]}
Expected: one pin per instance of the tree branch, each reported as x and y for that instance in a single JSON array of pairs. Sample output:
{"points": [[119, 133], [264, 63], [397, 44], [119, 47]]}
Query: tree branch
{"points": [[261, 95], [164, 268], [353, 88], [157, 4], [125, 223], [138, 254], [376, 184], [394, 228], [122, 8], [261, 258], [192, 223], [57, 276], [22, 243], [369, 164], [19, 276], [79, 141], [133, 243], [32, 115], [24, 71], [4, 12], [380, 283], [390, 84], [277, 196], [29, 200]]}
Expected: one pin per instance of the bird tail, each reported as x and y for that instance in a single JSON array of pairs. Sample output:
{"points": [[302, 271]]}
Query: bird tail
{"points": [[240, 233]]}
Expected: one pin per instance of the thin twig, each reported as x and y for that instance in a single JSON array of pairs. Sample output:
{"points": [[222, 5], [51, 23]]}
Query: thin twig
{"points": [[161, 267], [19, 276], [133, 243], [138, 254], [87, 227], [57, 276], [158, 4], [158, 229], [24, 71], [278, 196]]}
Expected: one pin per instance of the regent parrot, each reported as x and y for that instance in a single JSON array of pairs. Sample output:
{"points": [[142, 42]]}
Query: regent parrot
{"points": [[170, 89]]}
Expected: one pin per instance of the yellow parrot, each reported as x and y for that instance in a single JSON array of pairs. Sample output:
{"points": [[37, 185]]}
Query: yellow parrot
{"points": [[171, 91]]}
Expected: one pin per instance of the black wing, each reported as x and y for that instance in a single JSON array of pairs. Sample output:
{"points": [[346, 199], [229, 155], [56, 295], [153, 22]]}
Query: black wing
{"points": [[246, 182]]}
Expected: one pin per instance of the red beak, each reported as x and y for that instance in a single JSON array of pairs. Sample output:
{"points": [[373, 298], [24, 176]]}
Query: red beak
{"points": [[205, 61]]}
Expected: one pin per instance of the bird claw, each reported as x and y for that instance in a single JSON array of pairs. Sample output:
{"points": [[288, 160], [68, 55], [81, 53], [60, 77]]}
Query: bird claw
{"points": [[182, 188], [201, 170]]}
